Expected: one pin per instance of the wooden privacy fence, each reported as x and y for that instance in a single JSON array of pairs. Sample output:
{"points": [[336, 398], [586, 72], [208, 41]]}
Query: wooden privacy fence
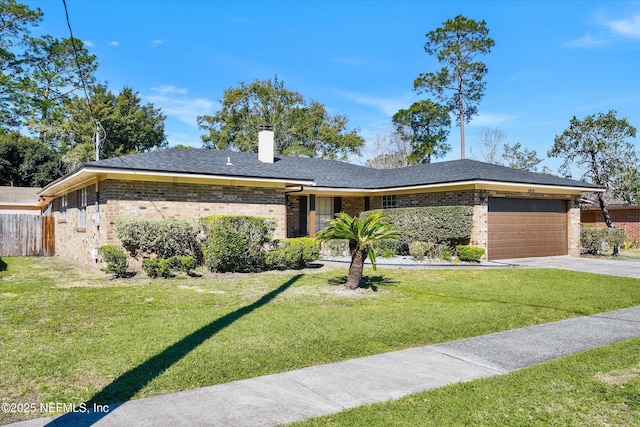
{"points": [[26, 235]]}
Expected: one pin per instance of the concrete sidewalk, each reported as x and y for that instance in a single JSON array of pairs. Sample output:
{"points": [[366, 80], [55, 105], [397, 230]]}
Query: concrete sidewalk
{"points": [[627, 267], [319, 390]]}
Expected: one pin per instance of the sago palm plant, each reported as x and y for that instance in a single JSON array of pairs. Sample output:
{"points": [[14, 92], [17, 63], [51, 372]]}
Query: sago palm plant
{"points": [[362, 234]]}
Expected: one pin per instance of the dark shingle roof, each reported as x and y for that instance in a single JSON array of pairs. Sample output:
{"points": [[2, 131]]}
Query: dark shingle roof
{"points": [[326, 173]]}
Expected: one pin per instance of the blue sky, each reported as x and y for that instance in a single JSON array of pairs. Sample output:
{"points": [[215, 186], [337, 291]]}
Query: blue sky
{"points": [[552, 59]]}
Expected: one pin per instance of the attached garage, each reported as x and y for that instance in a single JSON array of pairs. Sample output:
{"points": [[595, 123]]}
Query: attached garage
{"points": [[520, 228]]}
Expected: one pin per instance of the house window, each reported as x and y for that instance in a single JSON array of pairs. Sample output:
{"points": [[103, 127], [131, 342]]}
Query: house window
{"points": [[82, 208], [389, 202], [324, 212], [63, 208]]}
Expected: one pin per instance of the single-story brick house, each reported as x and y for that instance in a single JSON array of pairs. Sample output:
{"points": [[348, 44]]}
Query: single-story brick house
{"points": [[515, 213], [623, 215]]}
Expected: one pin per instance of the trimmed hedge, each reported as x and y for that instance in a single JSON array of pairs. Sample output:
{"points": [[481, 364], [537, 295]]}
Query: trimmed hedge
{"points": [[450, 225], [336, 248], [595, 239], [292, 254], [469, 253], [183, 263], [163, 238], [156, 267], [235, 243], [116, 260]]}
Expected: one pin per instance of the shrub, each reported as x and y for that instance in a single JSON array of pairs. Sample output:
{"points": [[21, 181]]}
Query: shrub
{"points": [[156, 267], [632, 245], [235, 243], [292, 254], [469, 253], [449, 225], [116, 260], [182, 263], [419, 249], [388, 253], [444, 252], [163, 238], [595, 239], [3, 265], [338, 247], [387, 247]]}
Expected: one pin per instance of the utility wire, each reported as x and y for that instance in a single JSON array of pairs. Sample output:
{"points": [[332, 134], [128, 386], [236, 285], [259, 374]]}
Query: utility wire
{"points": [[75, 52], [101, 130]]}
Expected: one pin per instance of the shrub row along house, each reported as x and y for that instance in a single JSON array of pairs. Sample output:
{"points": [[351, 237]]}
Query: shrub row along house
{"points": [[515, 213]]}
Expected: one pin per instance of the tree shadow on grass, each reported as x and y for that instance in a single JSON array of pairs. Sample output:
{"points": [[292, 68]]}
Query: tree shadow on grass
{"points": [[367, 282], [131, 382]]}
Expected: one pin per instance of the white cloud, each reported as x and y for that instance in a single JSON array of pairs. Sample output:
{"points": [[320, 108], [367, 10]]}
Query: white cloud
{"points": [[114, 43], [158, 42], [169, 98], [629, 27], [612, 30], [165, 89], [588, 41], [88, 43], [388, 106], [488, 119]]}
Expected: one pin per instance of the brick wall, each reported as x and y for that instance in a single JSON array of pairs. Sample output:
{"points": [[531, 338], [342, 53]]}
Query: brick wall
{"points": [[445, 198], [627, 218], [293, 215], [479, 231], [157, 200]]}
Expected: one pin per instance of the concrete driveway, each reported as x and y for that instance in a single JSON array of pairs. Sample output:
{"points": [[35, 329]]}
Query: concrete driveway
{"points": [[626, 267]]}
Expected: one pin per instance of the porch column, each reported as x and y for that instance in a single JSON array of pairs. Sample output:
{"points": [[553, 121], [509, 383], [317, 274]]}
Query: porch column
{"points": [[312, 215]]}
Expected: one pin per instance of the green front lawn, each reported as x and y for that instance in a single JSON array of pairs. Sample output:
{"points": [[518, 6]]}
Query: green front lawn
{"points": [[69, 335], [599, 387]]}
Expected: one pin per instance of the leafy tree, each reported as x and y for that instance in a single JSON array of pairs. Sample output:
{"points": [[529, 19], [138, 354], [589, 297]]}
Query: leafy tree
{"points": [[129, 127], [15, 21], [362, 234], [53, 70], [25, 162], [301, 128], [425, 126], [459, 83], [517, 157], [598, 146]]}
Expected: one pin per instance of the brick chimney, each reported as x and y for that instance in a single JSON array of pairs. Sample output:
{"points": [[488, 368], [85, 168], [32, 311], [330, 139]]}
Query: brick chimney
{"points": [[266, 144]]}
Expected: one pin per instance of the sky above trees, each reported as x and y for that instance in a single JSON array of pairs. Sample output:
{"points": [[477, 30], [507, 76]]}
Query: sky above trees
{"points": [[551, 60]]}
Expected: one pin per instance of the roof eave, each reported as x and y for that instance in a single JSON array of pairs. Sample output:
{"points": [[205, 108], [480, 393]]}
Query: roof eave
{"points": [[479, 184], [75, 179]]}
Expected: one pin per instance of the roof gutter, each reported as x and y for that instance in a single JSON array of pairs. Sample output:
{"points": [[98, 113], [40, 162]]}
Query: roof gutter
{"points": [[55, 188], [456, 183]]}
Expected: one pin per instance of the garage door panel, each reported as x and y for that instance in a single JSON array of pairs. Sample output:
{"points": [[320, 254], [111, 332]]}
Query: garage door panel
{"points": [[524, 228]]}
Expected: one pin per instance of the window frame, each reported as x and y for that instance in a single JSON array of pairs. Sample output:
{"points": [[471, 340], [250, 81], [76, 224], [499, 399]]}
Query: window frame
{"points": [[322, 214], [82, 208], [63, 207], [389, 201]]}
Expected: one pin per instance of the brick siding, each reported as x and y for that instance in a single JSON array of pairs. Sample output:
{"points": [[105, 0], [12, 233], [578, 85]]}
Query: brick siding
{"points": [[157, 200], [627, 218]]}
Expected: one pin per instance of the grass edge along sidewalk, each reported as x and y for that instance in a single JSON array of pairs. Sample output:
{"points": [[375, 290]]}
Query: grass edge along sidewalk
{"points": [[325, 389], [94, 330]]}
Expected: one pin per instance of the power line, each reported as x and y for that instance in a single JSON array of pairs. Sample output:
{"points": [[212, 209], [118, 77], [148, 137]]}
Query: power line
{"points": [[75, 52]]}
